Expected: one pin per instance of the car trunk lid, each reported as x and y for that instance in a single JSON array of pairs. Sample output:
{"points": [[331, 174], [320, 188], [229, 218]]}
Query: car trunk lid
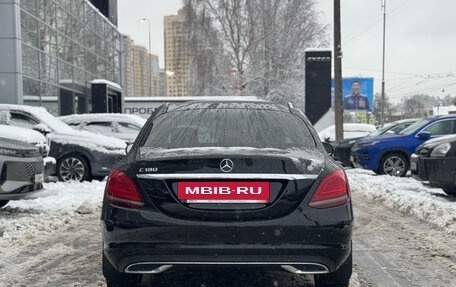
{"points": [[233, 184]]}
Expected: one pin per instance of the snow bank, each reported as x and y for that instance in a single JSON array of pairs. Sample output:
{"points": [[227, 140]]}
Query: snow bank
{"points": [[408, 196], [63, 197], [59, 204]]}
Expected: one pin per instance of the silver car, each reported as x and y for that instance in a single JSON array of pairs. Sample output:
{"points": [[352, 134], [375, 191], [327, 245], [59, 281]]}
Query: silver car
{"points": [[122, 126], [21, 170]]}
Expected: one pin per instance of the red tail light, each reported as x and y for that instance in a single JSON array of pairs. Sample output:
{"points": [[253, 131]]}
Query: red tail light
{"points": [[332, 191], [121, 191]]}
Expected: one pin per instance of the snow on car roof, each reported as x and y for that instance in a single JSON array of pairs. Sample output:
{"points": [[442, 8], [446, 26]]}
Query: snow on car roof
{"points": [[405, 121], [42, 114], [90, 140], [103, 117], [21, 134], [351, 130], [358, 127]]}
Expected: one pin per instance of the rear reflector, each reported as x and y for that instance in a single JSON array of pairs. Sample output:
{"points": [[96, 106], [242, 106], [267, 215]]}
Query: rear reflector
{"points": [[332, 191], [121, 191]]}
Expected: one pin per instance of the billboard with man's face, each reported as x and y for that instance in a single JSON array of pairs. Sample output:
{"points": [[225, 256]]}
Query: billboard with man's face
{"points": [[357, 94]]}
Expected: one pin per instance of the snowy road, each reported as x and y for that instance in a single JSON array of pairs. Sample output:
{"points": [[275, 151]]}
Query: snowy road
{"points": [[391, 249], [404, 236]]}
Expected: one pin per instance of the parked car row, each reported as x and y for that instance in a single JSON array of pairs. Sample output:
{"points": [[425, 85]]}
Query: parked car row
{"points": [[79, 155], [425, 146], [390, 153]]}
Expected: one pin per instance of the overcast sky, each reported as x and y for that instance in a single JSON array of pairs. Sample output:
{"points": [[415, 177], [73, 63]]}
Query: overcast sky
{"points": [[420, 40]]}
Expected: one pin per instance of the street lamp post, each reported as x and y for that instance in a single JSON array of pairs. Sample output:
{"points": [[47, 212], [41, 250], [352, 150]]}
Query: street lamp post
{"points": [[382, 119], [149, 80]]}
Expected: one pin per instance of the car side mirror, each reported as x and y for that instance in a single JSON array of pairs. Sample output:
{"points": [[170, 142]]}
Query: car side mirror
{"points": [[329, 148], [128, 147], [424, 136], [42, 128]]}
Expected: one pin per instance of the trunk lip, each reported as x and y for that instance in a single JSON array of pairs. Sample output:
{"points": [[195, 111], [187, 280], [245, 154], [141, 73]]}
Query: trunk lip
{"points": [[230, 176]]}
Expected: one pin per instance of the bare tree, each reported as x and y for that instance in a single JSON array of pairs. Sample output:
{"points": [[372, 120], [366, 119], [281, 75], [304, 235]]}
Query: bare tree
{"points": [[389, 108], [448, 100], [204, 49], [419, 105], [222, 32], [261, 43]]}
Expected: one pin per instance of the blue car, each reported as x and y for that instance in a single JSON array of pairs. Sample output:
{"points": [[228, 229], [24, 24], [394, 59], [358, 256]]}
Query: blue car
{"points": [[390, 153]]}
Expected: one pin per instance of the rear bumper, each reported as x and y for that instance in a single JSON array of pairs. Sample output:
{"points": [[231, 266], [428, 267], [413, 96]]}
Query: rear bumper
{"points": [[438, 171], [317, 258], [271, 243]]}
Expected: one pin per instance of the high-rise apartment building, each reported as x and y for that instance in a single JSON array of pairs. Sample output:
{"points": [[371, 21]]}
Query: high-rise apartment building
{"points": [[154, 76], [128, 72], [140, 71], [136, 71], [177, 58], [161, 83]]}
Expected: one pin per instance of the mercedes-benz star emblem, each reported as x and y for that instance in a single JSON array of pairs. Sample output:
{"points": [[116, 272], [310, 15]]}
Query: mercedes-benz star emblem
{"points": [[226, 165]]}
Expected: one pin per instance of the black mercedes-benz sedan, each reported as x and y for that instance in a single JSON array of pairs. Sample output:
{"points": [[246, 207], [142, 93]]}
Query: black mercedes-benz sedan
{"points": [[227, 184]]}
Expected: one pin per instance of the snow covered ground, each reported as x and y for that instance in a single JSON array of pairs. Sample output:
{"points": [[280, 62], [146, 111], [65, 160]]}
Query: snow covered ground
{"points": [[57, 205], [407, 195]]}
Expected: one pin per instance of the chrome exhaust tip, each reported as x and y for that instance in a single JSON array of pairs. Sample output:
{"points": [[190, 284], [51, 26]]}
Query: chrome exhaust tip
{"points": [[147, 268], [306, 268]]}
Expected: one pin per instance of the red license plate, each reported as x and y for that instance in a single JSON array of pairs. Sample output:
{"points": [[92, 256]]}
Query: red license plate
{"points": [[223, 192]]}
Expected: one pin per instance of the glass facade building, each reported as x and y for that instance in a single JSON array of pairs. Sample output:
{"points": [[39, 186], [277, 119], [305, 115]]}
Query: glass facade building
{"points": [[58, 47]]}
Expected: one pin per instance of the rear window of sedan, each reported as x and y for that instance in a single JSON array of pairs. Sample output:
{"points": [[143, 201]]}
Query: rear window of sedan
{"points": [[229, 128]]}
